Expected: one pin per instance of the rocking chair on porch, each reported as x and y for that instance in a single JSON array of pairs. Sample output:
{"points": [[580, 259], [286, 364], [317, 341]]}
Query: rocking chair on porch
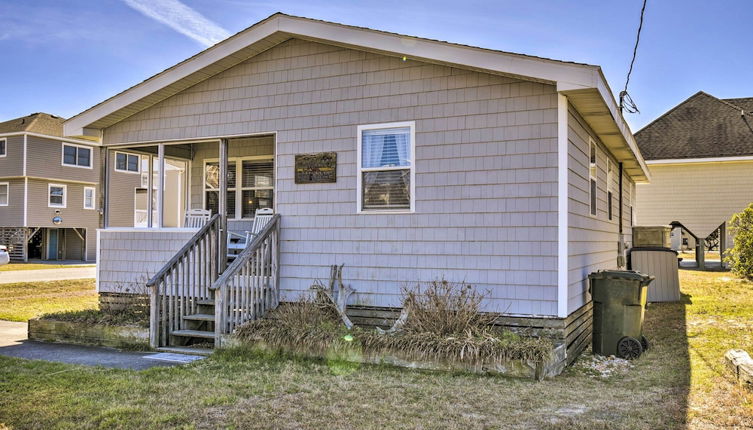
{"points": [[196, 218], [238, 242]]}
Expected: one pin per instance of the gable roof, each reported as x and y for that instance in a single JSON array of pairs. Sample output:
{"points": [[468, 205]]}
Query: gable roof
{"points": [[702, 126], [583, 84], [40, 122]]}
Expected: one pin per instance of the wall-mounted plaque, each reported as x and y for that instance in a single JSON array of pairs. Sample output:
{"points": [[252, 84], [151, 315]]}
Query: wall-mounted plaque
{"points": [[316, 168]]}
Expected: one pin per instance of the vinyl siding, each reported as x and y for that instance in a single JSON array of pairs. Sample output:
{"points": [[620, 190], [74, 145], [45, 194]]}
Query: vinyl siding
{"points": [[486, 152], [45, 160], [73, 215], [13, 163], [701, 196], [122, 191], [592, 241], [13, 214]]}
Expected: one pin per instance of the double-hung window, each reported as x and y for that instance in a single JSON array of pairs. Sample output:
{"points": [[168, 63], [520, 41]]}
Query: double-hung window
{"points": [[592, 172], [4, 193], [251, 190], [89, 195], [386, 170], [128, 163], [3, 147], [56, 195], [77, 156]]}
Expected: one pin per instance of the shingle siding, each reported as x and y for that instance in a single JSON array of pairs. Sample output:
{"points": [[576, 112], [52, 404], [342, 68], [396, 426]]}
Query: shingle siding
{"points": [[592, 241], [486, 153]]}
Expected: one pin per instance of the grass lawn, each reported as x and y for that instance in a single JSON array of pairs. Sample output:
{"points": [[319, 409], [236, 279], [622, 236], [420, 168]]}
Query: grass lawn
{"points": [[681, 382], [19, 302], [36, 266]]}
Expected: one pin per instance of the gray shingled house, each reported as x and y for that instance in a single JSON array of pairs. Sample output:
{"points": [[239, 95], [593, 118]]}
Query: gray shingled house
{"points": [[405, 159], [700, 154], [48, 190]]}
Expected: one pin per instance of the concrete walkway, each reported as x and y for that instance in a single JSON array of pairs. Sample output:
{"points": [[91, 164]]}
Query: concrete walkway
{"points": [[14, 343], [41, 275]]}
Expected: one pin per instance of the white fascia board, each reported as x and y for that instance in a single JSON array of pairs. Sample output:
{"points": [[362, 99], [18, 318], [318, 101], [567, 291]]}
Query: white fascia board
{"points": [[412, 47], [701, 160]]}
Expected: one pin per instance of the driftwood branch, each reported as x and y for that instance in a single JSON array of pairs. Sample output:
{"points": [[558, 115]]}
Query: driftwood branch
{"points": [[337, 292]]}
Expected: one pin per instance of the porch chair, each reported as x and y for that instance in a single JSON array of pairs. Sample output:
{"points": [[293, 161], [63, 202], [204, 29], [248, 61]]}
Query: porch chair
{"points": [[196, 218], [238, 242]]}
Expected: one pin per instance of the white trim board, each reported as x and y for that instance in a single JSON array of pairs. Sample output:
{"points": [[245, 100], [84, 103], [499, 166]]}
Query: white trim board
{"points": [[46, 136], [700, 160], [562, 206]]}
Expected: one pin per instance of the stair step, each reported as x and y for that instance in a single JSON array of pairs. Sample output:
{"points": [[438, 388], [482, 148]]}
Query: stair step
{"points": [[194, 333], [199, 317], [206, 302], [186, 350]]}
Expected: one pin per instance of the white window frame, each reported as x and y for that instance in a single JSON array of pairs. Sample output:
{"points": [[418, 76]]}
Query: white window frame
{"points": [[127, 154], [610, 189], [239, 188], [7, 190], [62, 156], [94, 198], [5, 147], [65, 195], [593, 175], [359, 166]]}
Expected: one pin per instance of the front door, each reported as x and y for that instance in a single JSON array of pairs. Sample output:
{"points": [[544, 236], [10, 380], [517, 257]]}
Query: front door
{"points": [[52, 244]]}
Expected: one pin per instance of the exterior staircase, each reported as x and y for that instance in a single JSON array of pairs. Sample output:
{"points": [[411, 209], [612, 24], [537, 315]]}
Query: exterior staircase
{"points": [[193, 306]]}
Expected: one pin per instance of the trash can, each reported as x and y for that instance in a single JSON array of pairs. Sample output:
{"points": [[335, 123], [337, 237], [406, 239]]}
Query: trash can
{"points": [[619, 302]]}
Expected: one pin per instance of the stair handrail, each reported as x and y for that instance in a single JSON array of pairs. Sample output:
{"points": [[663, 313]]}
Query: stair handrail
{"points": [[266, 241], [184, 279]]}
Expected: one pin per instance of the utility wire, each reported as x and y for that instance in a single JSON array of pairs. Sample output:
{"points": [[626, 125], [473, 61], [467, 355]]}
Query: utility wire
{"points": [[626, 102]]}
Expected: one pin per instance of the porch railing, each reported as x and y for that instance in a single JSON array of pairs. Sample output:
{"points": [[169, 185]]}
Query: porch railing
{"points": [[185, 280], [250, 286]]}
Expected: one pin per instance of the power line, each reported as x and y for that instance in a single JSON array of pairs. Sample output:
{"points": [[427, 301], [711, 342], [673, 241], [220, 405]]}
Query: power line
{"points": [[626, 102]]}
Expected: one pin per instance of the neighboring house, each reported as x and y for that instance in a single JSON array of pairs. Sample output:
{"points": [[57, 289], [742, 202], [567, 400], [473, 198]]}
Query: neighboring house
{"points": [[700, 154], [46, 178], [502, 170]]}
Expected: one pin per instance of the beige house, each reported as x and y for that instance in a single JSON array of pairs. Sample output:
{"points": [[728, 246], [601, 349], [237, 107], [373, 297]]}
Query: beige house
{"points": [[405, 159], [700, 155], [49, 190]]}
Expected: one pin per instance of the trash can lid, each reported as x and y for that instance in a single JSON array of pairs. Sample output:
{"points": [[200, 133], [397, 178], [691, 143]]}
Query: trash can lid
{"points": [[620, 274]]}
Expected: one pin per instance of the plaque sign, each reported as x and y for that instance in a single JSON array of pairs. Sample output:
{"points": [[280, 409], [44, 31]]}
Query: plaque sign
{"points": [[316, 168]]}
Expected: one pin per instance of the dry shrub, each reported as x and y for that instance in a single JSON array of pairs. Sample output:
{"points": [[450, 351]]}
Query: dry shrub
{"points": [[444, 324]]}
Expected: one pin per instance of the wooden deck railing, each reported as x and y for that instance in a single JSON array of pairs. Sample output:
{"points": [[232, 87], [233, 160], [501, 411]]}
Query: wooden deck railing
{"points": [[176, 289], [250, 286]]}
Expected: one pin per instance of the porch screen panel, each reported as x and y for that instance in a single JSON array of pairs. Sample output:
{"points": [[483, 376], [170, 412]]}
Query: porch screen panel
{"points": [[386, 168]]}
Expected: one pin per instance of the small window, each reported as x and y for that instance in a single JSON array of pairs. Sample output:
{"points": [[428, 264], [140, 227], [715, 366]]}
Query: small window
{"points": [[128, 163], [592, 172], [57, 195], [386, 168], [89, 195], [77, 156], [4, 193], [3, 147]]}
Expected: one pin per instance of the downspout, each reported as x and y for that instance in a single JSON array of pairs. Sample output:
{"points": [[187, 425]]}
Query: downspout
{"points": [[621, 242]]}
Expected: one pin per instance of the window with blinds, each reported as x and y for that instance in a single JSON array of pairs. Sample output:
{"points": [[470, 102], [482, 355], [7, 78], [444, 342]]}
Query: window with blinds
{"points": [[252, 190], [386, 168]]}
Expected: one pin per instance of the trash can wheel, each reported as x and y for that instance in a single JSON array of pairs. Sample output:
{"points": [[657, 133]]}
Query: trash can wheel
{"points": [[644, 343], [629, 348]]}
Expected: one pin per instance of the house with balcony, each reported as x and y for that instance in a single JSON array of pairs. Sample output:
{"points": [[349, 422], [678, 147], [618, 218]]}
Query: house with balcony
{"points": [[404, 159], [49, 190]]}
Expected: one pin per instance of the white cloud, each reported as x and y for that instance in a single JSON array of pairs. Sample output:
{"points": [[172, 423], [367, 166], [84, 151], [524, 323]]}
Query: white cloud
{"points": [[182, 19]]}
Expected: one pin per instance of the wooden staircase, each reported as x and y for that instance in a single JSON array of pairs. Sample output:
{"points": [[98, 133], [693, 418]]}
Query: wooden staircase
{"points": [[193, 306]]}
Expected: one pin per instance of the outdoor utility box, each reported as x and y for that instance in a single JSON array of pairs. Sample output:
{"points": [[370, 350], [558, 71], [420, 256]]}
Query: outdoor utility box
{"points": [[619, 303], [657, 236]]}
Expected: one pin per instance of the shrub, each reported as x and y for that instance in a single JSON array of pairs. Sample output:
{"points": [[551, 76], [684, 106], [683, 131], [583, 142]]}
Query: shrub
{"points": [[740, 256], [124, 317]]}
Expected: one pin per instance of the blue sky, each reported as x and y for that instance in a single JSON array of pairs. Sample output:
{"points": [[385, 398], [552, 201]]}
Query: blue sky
{"points": [[62, 57]]}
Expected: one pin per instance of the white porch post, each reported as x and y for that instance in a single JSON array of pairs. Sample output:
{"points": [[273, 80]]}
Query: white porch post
{"points": [[222, 208], [161, 186], [562, 206]]}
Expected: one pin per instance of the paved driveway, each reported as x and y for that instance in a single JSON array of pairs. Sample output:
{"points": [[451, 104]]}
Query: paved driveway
{"points": [[14, 276]]}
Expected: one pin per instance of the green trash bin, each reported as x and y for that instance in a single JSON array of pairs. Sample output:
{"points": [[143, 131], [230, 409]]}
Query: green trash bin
{"points": [[619, 298]]}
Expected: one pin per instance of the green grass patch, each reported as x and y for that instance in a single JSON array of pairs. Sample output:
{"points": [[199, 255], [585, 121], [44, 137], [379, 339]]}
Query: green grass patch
{"points": [[20, 302], [36, 266], [679, 383]]}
